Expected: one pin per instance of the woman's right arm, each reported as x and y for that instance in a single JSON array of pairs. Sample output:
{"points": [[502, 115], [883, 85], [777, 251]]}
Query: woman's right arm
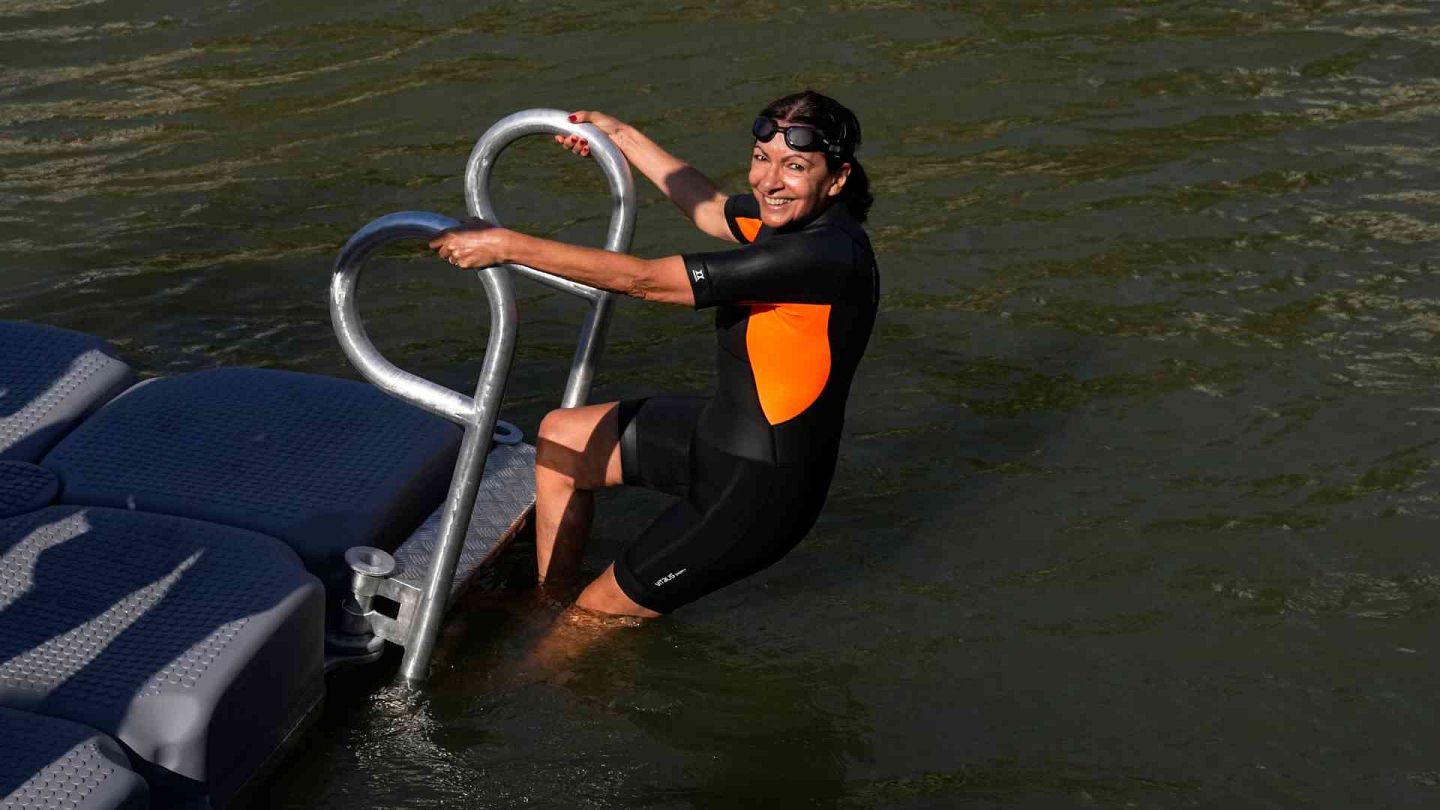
{"points": [[692, 192]]}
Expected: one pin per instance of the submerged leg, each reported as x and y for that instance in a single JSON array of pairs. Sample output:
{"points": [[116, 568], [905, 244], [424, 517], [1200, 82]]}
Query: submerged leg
{"points": [[602, 610], [578, 451], [604, 596]]}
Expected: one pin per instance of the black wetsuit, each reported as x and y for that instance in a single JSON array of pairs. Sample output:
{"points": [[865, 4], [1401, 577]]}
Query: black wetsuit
{"points": [[752, 464]]}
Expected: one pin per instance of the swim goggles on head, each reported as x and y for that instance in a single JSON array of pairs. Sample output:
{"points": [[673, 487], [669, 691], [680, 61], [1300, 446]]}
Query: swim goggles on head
{"points": [[800, 137]]}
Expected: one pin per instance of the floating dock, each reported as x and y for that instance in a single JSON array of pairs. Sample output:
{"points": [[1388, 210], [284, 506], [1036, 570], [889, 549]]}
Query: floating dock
{"points": [[182, 559]]}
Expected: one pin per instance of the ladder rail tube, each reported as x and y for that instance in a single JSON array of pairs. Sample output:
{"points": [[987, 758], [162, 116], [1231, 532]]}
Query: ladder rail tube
{"points": [[564, 285], [469, 469], [587, 352], [618, 236]]}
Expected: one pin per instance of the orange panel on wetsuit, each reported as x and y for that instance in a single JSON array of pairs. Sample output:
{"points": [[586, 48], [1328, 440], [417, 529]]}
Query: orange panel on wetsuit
{"points": [[789, 349]]}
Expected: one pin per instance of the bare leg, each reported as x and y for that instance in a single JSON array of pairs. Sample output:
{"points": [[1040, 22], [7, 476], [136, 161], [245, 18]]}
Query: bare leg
{"points": [[578, 451]]}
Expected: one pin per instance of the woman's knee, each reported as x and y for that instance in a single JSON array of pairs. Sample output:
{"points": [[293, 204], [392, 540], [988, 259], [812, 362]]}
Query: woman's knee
{"points": [[561, 442], [578, 444], [559, 427]]}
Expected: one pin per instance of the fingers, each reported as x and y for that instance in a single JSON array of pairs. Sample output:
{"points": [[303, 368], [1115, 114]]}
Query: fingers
{"points": [[583, 117], [445, 247], [467, 249], [575, 144], [455, 257]]}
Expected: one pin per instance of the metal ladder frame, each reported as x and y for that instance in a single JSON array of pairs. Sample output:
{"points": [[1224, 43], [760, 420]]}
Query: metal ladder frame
{"points": [[476, 414]]}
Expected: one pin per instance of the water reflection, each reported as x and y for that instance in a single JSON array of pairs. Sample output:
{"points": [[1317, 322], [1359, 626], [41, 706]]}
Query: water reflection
{"points": [[1137, 498]]}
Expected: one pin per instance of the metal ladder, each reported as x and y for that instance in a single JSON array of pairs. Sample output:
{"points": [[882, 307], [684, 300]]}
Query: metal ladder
{"points": [[425, 579]]}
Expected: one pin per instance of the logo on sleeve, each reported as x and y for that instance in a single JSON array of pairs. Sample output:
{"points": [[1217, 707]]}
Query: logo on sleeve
{"points": [[697, 273], [668, 577]]}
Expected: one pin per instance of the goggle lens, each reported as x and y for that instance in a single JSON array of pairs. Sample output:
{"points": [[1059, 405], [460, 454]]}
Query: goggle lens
{"points": [[800, 137]]}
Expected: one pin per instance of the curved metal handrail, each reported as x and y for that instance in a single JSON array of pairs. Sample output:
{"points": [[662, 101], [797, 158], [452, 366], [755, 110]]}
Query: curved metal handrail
{"points": [[477, 414], [622, 223], [345, 314], [612, 161]]}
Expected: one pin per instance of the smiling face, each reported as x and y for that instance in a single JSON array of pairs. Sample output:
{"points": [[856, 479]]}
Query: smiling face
{"points": [[792, 186]]}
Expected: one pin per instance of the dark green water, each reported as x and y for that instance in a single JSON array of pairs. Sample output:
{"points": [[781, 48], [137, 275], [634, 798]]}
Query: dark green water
{"points": [[1138, 505]]}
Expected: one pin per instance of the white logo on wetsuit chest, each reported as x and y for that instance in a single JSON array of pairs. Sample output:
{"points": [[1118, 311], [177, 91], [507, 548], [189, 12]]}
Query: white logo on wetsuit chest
{"points": [[668, 577]]}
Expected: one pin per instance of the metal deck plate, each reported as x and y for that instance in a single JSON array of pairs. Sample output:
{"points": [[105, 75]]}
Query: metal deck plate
{"points": [[505, 498]]}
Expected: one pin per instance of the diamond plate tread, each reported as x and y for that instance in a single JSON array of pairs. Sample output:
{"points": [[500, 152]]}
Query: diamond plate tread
{"points": [[505, 498], [47, 763], [318, 462], [197, 646], [50, 379], [25, 487]]}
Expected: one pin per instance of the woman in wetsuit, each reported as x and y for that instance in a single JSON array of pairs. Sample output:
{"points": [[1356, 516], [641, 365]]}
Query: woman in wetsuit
{"points": [[795, 304]]}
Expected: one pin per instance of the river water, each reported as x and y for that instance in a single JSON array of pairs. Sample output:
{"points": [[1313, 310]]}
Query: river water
{"points": [[1137, 505]]}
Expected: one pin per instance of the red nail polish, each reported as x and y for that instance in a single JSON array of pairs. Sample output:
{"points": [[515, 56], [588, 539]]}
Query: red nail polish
{"points": [[572, 119]]}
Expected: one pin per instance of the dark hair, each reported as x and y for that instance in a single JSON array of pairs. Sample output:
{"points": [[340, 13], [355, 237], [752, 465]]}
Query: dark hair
{"points": [[841, 130]]}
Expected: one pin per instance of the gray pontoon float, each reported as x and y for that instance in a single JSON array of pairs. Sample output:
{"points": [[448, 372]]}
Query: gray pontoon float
{"points": [[183, 559]]}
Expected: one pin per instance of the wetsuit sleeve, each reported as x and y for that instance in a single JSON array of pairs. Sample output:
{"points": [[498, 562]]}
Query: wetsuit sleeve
{"points": [[799, 268], [742, 214]]}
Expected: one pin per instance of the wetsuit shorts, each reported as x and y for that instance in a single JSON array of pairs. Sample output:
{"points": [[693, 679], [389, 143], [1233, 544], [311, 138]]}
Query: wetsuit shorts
{"points": [[735, 515]]}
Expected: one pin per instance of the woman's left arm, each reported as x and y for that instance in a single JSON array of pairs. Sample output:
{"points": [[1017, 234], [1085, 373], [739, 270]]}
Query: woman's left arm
{"points": [[663, 280]]}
